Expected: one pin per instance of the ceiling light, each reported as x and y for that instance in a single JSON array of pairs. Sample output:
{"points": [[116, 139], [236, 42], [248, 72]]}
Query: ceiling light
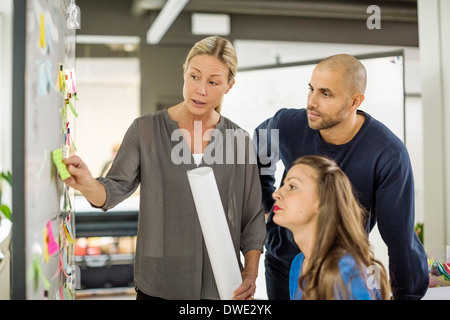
{"points": [[210, 24], [164, 20], [101, 39]]}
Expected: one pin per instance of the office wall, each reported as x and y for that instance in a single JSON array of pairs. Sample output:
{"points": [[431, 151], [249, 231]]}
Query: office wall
{"points": [[434, 28], [161, 76], [5, 138], [44, 61], [109, 101], [5, 84], [108, 17]]}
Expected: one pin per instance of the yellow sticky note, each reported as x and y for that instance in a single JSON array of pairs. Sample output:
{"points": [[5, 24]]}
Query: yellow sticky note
{"points": [[57, 157], [42, 33], [61, 82], [68, 233], [46, 255]]}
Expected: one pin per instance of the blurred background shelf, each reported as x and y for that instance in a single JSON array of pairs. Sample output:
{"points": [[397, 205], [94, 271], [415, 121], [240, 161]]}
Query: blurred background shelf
{"points": [[105, 249]]}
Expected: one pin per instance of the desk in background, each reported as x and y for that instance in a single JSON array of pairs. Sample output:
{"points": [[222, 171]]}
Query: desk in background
{"points": [[105, 245]]}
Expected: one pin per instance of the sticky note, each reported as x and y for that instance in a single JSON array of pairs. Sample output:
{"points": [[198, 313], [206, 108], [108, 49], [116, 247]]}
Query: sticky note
{"points": [[51, 243], [44, 77], [68, 232], [46, 255], [61, 81], [57, 157], [42, 43], [74, 86], [39, 273], [72, 108]]}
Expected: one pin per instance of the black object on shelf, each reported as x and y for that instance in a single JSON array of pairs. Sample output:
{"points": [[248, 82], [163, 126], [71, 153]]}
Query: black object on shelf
{"points": [[106, 224], [105, 271]]}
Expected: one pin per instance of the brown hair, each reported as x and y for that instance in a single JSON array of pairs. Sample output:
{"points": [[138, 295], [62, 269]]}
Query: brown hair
{"points": [[340, 231], [217, 47]]}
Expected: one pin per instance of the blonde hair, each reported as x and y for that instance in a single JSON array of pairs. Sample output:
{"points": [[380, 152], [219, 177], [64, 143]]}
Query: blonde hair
{"points": [[340, 231], [217, 47]]}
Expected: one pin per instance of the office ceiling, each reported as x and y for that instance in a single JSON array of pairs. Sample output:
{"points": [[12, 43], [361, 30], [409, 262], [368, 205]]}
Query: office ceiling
{"points": [[337, 21], [392, 10]]}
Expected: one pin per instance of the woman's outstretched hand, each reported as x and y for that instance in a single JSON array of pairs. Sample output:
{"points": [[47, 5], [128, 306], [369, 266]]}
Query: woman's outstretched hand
{"points": [[82, 180]]}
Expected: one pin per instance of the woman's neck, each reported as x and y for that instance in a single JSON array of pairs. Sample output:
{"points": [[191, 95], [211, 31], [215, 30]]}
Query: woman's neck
{"points": [[305, 240], [187, 120], [197, 126]]}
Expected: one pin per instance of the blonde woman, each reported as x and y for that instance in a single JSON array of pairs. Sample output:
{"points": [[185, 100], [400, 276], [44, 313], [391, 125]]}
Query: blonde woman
{"points": [[316, 202], [157, 150]]}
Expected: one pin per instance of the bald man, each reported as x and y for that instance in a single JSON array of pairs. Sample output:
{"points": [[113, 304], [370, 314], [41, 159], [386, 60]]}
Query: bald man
{"points": [[375, 160]]}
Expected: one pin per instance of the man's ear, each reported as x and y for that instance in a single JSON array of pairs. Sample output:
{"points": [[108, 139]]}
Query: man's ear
{"points": [[356, 101]]}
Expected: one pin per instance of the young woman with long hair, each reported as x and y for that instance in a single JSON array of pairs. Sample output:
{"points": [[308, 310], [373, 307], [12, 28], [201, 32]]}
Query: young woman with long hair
{"points": [[317, 203]]}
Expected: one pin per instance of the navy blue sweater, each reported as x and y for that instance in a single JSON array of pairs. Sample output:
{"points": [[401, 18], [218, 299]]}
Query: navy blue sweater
{"points": [[378, 165]]}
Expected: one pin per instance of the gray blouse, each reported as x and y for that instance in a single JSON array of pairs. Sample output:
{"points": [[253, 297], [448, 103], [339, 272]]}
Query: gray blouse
{"points": [[171, 258]]}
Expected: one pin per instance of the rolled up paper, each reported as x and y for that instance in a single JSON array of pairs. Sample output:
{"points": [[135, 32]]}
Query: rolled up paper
{"points": [[215, 231]]}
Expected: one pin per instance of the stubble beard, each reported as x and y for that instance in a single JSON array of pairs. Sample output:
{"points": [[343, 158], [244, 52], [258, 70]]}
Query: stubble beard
{"points": [[328, 121]]}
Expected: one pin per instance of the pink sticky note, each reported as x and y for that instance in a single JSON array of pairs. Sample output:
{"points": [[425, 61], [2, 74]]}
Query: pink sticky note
{"points": [[52, 245]]}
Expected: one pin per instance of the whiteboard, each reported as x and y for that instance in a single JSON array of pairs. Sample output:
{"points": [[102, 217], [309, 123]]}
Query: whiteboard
{"points": [[49, 43]]}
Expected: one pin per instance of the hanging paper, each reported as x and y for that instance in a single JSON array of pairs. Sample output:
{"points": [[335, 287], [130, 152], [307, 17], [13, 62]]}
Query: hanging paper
{"points": [[74, 85], [68, 231], [73, 144], [61, 82], [42, 37], [67, 84], [46, 254], [72, 108], [38, 273], [67, 269], [51, 243], [44, 77]]}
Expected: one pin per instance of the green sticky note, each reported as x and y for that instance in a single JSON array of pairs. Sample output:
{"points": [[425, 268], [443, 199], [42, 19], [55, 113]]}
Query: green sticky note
{"points": [[57, 157]]}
